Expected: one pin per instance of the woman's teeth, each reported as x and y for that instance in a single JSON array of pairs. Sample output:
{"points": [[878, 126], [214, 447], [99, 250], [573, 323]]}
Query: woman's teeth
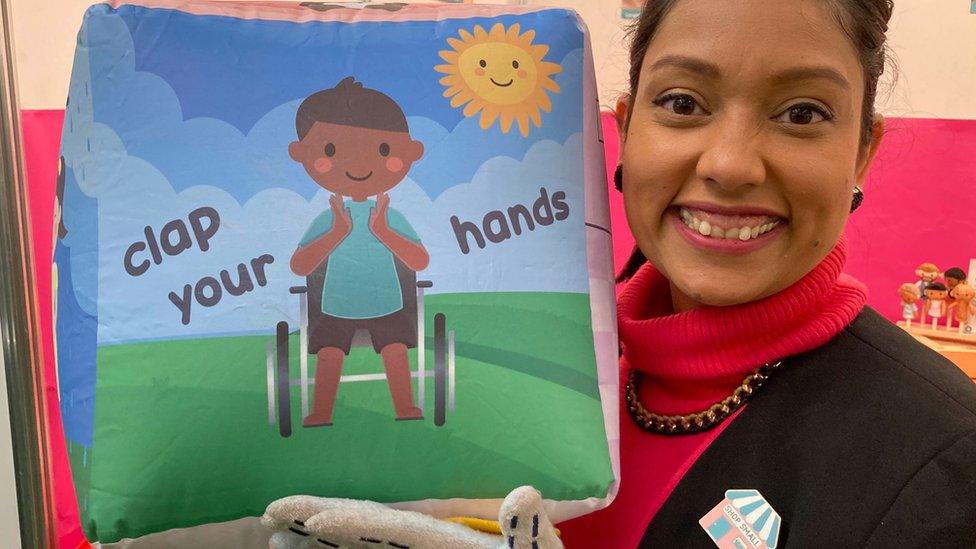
{"points": [[744, 234]]}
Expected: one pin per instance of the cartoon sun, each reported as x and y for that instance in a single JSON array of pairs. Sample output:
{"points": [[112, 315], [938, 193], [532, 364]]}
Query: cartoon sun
{"points": [[500, 74]]}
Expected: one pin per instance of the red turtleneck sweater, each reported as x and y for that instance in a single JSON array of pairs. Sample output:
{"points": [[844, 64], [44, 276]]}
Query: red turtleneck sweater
{"points": [[692, 360]]}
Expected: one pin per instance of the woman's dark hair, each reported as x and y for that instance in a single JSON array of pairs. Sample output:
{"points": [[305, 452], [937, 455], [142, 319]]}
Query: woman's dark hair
{"points": [[937, 286], [864, 21]]}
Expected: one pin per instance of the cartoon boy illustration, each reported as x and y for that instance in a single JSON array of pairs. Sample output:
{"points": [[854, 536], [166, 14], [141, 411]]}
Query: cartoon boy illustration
{"points": [[360, 256]]}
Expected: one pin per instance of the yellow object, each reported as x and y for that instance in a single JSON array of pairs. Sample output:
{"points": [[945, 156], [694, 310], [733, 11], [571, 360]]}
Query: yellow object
{"points": [[482, 525], [501, 74]]}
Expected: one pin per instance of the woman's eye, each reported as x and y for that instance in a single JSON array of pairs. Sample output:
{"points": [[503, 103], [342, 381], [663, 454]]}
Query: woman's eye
{"points": [[804, 114], [681, 104]]}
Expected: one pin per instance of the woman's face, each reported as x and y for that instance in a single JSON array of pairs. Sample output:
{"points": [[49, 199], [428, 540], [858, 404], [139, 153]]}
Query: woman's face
{"points": [[743, 146]]}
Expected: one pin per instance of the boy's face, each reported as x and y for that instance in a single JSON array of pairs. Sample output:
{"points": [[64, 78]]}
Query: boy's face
{"points": [[952, 282], [355, 162]]}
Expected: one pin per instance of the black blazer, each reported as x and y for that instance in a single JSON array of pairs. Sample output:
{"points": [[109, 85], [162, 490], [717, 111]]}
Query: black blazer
{"points": [[868, 441]]}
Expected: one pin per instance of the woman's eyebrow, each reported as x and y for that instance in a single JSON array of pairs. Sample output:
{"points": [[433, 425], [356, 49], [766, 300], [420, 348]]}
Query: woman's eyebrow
{"points": [[710, 70], [811, 73], [688, 63]]}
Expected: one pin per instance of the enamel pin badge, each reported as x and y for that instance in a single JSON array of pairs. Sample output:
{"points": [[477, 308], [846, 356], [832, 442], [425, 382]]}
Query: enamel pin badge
{"points": [[743, 520]]}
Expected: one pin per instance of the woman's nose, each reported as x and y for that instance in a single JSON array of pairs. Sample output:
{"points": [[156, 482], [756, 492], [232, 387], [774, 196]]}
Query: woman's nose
{"points": [[732, 155]]}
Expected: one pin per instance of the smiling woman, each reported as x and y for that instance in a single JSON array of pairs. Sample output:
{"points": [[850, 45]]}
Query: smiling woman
{"points": [[734, 132], [746, 137]]}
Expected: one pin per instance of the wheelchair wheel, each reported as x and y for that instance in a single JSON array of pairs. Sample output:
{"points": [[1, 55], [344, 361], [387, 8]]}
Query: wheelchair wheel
{"points": [[284, 381], [440, 369]]}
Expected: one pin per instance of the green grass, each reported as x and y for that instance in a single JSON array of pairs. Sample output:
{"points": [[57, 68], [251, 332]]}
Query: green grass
{"points": [[182, 434]]}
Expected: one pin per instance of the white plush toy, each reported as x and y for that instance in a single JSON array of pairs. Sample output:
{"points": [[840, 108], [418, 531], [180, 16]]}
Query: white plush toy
{"points": [[304, 522]]}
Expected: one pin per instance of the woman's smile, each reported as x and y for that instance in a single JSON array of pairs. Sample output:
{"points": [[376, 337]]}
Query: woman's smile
{"points": [[725, 230]]}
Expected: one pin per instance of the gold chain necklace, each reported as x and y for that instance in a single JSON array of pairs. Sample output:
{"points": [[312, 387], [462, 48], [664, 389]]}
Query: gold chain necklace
{"points": [[702, 421]]}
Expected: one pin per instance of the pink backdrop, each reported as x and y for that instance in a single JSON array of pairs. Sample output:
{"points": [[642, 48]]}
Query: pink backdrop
{"points": [[920, 206], [42, 139]]}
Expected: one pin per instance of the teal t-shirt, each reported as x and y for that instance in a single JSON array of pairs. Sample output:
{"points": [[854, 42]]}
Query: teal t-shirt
{"points": [[361, 279]]}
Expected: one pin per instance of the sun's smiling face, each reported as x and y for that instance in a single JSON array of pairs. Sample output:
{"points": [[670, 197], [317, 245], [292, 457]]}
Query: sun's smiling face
{"points": [[500, 74]]}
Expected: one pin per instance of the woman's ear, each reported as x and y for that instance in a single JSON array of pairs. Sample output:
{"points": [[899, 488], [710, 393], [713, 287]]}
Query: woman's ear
{"points": [[622, 114], [868, 153]]}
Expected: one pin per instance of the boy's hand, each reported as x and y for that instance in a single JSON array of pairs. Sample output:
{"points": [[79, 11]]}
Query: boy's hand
{"points": [[412, 254], [377, 217], [341, 221]]}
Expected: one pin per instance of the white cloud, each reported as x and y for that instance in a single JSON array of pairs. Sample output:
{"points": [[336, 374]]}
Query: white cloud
{"points": [[548, 258]]}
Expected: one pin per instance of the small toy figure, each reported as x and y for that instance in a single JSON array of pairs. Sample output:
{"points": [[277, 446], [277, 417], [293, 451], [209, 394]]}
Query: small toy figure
{"points": [[926, 273], [963, 306], [909, 297], [935, 304], [953, 277]]}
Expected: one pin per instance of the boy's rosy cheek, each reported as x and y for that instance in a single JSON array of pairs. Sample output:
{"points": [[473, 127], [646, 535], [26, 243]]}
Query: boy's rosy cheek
{"points": [[394, 164], [323, 165]]}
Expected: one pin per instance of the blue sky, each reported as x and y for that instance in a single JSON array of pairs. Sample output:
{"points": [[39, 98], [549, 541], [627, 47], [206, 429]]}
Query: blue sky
{"points": [[185, 90], [170, 112]]}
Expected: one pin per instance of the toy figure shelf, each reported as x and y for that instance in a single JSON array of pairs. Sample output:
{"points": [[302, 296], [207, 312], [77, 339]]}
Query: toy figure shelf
{"points": [[959, 348]]}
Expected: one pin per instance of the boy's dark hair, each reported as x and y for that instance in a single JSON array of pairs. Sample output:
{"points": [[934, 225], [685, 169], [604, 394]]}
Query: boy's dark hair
{"points": [[956, 273], [350, 104], [937, 286]]}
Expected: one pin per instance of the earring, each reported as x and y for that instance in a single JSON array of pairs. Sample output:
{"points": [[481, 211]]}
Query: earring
{"points": [[858, 199], [618, 177]]}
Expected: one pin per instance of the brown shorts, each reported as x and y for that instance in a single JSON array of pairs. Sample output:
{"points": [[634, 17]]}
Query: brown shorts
{"points": [[330, 331]]}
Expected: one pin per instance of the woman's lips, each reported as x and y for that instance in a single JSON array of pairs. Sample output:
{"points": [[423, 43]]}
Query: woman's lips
{"points": [[726, 232], [724, 225]]}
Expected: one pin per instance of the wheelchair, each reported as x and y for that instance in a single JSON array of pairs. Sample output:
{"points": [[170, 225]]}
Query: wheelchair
{"points": [[279, 381]]}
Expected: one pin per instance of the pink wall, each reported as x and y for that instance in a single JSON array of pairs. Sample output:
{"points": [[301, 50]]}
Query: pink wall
{"points": [[42, 139], [920, 206]]}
